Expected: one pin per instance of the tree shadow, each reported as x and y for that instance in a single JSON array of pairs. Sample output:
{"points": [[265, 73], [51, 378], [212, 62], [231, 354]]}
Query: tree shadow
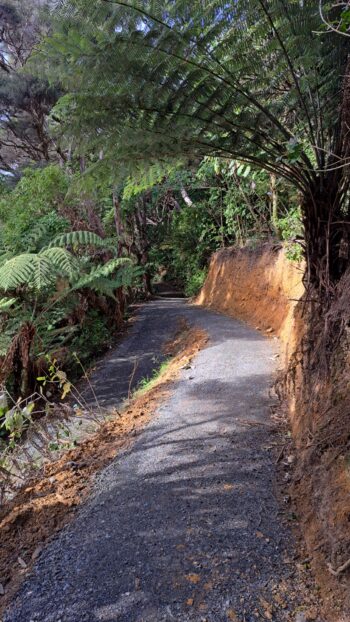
{"points": [[184, 526]]}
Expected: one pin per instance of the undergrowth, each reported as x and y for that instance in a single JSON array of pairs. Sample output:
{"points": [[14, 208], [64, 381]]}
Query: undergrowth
{"points": [[149, 382]]}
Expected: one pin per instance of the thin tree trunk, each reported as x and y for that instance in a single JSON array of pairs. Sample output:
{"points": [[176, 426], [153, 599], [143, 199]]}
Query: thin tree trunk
{"points": [[185, 197], [274, 203]]}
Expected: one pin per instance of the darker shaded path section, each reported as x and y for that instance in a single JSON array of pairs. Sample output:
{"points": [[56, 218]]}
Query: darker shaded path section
{"points": [[184, 526], [140, 352]]}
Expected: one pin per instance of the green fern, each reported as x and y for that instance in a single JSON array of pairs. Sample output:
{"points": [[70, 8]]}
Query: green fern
{"points": [[147, 177], [62, 260], [6, 304], [40, 270], [102, 271], [127, 276], [37, 270], [78, 238], [28, 268]]}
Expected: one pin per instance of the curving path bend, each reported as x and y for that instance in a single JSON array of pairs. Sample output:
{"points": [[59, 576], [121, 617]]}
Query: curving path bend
{"points": [[184, 526]]}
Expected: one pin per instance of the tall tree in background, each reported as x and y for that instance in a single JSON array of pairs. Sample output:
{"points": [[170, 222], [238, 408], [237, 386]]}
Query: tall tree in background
{"points": [[25, 100], [253, 80]]}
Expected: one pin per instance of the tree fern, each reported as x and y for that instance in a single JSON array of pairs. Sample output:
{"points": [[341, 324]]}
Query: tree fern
{"points": [[40, 270], [62, 260], [37, 271], [26, 269], [102, 271], [147, 177], [127, 276], [78, 238], [6, 304], [43, 274], [249, 80]]}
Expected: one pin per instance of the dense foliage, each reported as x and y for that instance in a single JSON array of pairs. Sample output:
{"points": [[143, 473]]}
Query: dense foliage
{"points": [[254, 81], [59, 284]]}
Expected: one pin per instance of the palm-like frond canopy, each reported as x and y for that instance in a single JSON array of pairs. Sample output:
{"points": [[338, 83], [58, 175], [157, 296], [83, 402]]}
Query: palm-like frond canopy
{"points": [[255, 80], [251, 80]]}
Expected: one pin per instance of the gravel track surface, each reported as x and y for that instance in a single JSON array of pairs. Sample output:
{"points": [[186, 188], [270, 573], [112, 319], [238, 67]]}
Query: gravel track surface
{"points": [[184, 525]]}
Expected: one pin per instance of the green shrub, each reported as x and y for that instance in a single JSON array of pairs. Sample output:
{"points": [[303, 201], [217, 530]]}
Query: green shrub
{"points": [[93, 337], [291, 229], [195, 281], [35, 199]]}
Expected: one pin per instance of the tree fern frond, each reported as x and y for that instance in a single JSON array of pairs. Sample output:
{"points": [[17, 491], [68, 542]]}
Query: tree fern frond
{"points": [[29, 269], [62, 259], [234, 80], [5, 256], [127, 276], [147, 177], [6, 304], [43, 274], [101, 271], [78, 238], [21, 269]]}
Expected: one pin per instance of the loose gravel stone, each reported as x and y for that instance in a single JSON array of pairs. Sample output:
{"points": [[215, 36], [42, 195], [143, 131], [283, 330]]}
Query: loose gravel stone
{"points": [[184, 525]]}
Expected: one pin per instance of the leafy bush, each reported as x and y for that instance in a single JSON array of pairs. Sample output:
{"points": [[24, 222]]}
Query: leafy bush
{"points": [[93, 337], [195, 281], [291, 229], [35, 199]]}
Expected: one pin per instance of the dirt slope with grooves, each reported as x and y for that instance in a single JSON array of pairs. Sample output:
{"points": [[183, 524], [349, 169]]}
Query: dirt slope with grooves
{"points": [[258, 285], [261, 286]]}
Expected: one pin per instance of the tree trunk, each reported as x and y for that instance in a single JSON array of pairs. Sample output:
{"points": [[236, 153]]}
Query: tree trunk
{"points": [[274, 203], [326, 225], [119, 227], [185, 197]]}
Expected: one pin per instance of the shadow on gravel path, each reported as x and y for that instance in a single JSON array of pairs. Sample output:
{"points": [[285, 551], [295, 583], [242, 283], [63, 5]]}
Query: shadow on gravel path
{"points": [[185, 525]]}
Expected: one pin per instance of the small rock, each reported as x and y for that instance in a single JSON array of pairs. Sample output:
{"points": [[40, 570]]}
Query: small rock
{"points": [[300, 617], [21, 562], [2, 589], [37, 552]]}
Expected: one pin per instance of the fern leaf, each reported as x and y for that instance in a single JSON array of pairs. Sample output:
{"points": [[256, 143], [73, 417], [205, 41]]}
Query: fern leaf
{"points": [[101, 271], [62, 259], [5, 256], [78, 238], [6, 303], [17, 271], [43, 274], [127, 276], [28, 268]]}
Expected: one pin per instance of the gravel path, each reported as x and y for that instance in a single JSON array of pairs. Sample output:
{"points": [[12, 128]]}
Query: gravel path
{"points": [[184, 525]]}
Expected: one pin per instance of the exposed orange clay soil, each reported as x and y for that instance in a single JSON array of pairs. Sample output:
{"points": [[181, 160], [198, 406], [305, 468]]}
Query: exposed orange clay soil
{"points": [[47, 503], [258, 285], [262, 287], [321, 479]]}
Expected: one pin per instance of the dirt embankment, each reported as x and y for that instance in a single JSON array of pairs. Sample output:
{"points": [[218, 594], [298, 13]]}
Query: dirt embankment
{"points": [[262, 287]]}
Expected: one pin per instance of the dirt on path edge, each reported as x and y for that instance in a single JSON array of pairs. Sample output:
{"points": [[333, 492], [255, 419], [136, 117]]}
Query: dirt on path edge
{"points": [[46, 504]]}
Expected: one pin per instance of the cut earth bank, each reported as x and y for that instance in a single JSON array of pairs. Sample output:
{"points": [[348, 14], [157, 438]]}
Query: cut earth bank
{"points": [[263, 287]]}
